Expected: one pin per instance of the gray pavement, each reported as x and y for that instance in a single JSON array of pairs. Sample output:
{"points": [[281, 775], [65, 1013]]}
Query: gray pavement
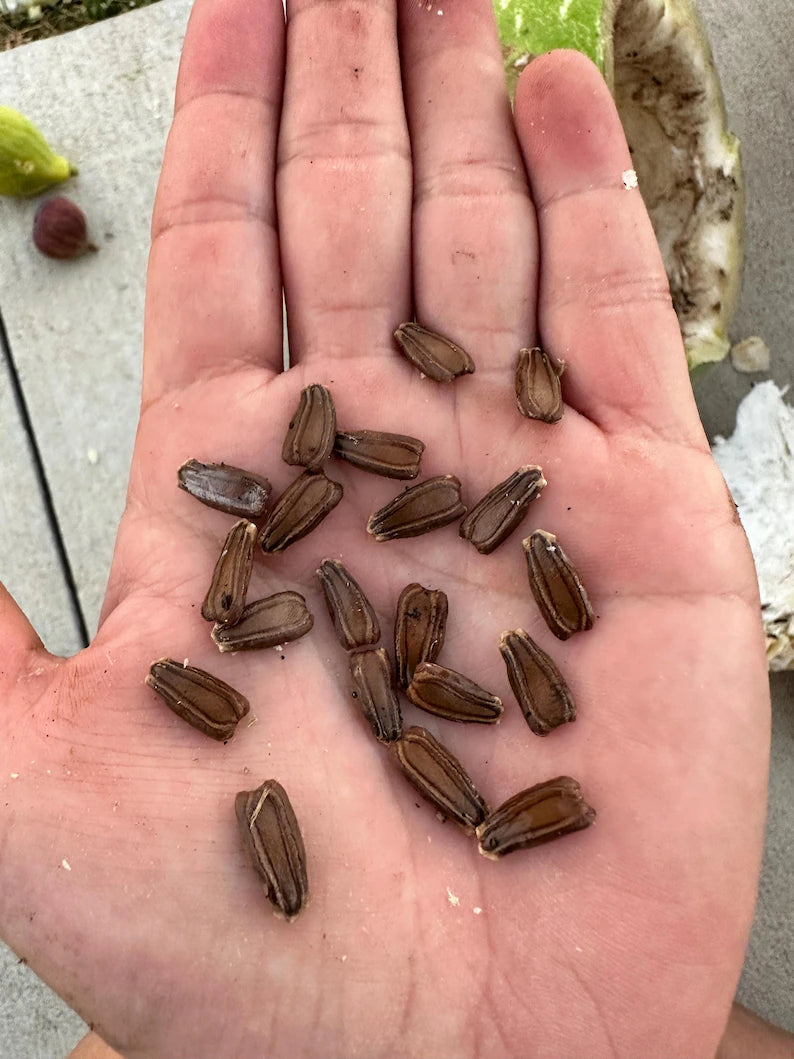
{"points": [[75, 334], [103, 95]]}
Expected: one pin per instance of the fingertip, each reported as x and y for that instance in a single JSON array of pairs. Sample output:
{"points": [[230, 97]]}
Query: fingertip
{"points": [[227, 46], [566, 119]]}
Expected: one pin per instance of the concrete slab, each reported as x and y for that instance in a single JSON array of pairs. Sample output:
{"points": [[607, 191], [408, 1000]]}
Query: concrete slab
{"points": [[75, 328], [79, 361], [76, 334], [30, 566], [753, 56], [34, 1022], [766, 982]]}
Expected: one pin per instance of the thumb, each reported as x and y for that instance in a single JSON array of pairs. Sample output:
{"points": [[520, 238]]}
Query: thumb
{"points": [[21, 643]]}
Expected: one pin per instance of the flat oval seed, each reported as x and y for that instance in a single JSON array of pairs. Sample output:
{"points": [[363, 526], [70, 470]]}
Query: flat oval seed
{"points": [[277, 619], [229, 489], [544, 697], [312, 429], [390, 455], [275, 845], [418, 509], [500, 511], [558, 592], [301, 507], [449, 694], [435, 356], [538, 391], [439, 777], [372, 685], [419, 629], [225, 598], [354, 618], [536, 815], [204, 701]]}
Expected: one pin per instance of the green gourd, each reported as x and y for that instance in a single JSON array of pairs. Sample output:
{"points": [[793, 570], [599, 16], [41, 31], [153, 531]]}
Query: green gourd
{"points": [[27, 164]]}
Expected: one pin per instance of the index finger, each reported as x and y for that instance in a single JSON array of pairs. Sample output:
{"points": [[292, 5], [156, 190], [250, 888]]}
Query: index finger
{"points": [[214, 286]]}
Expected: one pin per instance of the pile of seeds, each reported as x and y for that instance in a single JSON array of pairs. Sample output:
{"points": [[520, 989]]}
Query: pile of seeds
{"points": [[269, 827]]}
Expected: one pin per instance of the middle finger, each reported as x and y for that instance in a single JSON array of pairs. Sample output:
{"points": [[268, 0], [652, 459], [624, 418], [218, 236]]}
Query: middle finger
{"points": [[344, 180], [475, 236]]}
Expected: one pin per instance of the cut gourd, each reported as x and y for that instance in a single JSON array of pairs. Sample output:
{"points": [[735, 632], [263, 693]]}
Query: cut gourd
{"points": [[757, 465]]}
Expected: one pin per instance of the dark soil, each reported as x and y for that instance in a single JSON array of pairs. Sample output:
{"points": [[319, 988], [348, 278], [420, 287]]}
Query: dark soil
{"points": [[18, 28]]}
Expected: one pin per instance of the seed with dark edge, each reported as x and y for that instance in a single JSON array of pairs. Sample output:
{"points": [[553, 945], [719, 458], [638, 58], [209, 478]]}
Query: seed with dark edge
{"points": [[274, 842], [278, 619], [494, 518], [372, 685], [544, 697], [312, 429], [199, 698], [448, 694], [419, 629], [435, 356], [558, 592], [225, 598], [351, 612], [538, 392], [229, 489], [301, 507], [418, 509], [390, 455], [531, 817], [439, 777]]}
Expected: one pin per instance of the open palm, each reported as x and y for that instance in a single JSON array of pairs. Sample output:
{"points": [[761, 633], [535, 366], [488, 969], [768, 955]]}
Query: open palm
{"points": [[390, 180]]}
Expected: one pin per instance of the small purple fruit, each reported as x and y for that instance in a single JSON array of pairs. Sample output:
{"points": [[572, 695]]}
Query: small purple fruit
{"points": [[59, 229]]}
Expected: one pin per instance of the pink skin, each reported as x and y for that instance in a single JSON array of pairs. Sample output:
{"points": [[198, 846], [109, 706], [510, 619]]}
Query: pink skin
{"points": [[625, 939]]}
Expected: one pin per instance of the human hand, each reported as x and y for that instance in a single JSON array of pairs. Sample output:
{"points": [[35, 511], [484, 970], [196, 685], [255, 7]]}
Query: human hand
{"points": [[626, 939]]}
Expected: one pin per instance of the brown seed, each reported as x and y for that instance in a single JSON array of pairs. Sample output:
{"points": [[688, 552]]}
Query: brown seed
{"points": [[450, 695], [372, 685], [418, 509], [225, 598], [312, 429], [274, 842], [435, 356], [538, 392], [278, 619], [390, 455], [439, 777], [199, 698], [539, 814], [419, 629], [301, 507], [229, 489], [559, 593], [537, 684], [494, 518], [351, 612]]}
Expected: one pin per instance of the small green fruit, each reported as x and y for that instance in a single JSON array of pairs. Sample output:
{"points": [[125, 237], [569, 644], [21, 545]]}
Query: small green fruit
{"points": [[27, 165]]}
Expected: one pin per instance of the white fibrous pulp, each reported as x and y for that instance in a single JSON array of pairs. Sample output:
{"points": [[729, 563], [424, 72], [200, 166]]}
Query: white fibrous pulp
{"points": [[757, 464]]}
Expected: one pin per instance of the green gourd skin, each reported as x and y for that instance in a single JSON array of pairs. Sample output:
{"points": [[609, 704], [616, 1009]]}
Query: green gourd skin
{"points": [[27, 164]]}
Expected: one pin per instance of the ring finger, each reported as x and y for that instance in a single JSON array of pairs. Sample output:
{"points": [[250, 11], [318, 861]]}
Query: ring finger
{"points": [[475, 238], [344, 181]]}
